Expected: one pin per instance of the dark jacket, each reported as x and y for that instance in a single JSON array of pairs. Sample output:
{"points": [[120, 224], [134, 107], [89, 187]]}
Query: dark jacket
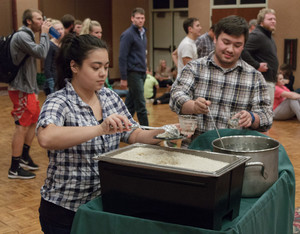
{"points": [[50, 64], [260, 47], [132, 52]]}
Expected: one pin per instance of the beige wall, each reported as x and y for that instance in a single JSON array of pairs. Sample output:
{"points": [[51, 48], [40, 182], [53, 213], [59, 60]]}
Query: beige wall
{"points": [[6, 16], [201, 10]]}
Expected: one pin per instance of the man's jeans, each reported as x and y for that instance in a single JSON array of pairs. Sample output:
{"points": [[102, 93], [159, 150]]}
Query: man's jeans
{"points": [[135, 100]]}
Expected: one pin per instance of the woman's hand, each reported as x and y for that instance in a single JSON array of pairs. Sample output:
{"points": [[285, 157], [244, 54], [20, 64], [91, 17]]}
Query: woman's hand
{"points": [[115, 123]]}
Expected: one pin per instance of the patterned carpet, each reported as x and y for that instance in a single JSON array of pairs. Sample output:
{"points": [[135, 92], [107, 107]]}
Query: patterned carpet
{"points": [[296, 227]]}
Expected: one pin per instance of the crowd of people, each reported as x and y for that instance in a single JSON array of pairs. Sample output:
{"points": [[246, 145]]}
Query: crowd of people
{"points": [[230, 70]]}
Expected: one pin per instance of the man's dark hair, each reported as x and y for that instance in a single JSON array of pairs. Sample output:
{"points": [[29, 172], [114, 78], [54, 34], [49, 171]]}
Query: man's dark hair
{"points": [[189, 22], [67, 20], [232, 25], [27, 15], [138, 10]]}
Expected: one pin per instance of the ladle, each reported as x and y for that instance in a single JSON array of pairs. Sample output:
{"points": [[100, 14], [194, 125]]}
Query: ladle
{"points": [[171, 129], [212, 118]]}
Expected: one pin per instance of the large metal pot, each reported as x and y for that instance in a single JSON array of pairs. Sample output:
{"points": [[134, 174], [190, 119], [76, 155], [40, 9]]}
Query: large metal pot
{"points": [[262, 169]]}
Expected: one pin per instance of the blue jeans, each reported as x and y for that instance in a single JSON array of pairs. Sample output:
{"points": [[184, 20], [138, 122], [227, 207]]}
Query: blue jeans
{"points": [[135, 100], [49, 86], [121, 92]]}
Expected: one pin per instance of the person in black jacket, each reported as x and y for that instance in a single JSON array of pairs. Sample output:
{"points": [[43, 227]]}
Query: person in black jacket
{"points": [[260, 50]]}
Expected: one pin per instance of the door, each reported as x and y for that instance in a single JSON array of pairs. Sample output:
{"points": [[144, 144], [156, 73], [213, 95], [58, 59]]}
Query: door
{"points": [[167, 29]]}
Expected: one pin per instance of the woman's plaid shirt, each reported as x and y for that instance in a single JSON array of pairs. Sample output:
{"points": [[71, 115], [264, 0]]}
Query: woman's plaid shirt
{"points": [[72, 175]]}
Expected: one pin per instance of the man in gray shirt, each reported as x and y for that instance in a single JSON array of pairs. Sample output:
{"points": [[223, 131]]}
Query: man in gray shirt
{"points": [[23, 90]]}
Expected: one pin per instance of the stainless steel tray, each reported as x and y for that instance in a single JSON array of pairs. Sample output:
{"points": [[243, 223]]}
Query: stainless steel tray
{"points": [[233, 160]]}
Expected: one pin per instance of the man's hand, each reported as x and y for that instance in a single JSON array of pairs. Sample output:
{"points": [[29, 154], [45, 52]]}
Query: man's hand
{"points": [[123, 84], [46, 26], [263, 67], [201, 106]]}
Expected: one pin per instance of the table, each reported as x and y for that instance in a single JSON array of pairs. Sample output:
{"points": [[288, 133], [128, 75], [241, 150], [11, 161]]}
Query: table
{"points": [[273, 212]]}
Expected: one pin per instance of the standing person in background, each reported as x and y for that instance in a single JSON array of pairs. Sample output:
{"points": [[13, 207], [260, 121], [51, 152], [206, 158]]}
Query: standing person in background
{"points": [[132, 64], [260, 50], [252, 25], [50, 65], [205, 43], [163, 74], [77, 27], [68, 23], [91, 27], [187, 50], [23, 90]]}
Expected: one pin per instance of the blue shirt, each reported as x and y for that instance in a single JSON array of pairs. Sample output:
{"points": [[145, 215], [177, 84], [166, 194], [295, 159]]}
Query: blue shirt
{"points": [[73, 175], [133, 48]]}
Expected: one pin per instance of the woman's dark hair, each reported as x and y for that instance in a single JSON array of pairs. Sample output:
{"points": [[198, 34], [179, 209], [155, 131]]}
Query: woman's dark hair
{"points": [[74, 48], [232, 25]]}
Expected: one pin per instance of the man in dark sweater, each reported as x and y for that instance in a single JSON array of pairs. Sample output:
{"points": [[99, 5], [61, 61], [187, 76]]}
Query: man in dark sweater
{"points": [[132, 64], [260, 50]]}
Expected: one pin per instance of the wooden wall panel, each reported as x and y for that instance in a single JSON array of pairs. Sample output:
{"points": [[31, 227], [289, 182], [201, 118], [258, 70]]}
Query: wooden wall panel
{"points": [[57, 8], [6, 16], [247, 13]]}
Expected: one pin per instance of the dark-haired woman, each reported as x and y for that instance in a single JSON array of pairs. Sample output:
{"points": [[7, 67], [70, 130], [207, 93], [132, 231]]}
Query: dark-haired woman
{"points": [[80, 120]]}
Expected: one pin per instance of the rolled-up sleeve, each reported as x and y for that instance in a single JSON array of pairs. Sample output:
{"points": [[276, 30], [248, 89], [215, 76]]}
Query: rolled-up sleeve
{"points": [[183, 88], [261, 104]]}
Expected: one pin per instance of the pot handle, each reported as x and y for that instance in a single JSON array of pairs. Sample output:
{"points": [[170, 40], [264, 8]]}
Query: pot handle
{"points": [[252, 164]]}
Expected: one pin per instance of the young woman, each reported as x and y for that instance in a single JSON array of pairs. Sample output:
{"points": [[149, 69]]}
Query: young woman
{"points": [[92, 27], [163, 74], [82, 119], [286, 102], [50, 66]]}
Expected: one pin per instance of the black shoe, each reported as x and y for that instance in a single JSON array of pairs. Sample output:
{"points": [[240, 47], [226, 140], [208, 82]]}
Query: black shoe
{"points": [[20, 173], [28, 164]]}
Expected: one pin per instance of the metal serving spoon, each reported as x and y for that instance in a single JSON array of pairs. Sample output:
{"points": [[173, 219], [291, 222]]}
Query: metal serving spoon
{"points": [[212, 118], [171, 129]]}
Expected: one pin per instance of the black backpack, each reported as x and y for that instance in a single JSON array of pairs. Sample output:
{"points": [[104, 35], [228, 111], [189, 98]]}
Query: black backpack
{"points": [[8, 70]]}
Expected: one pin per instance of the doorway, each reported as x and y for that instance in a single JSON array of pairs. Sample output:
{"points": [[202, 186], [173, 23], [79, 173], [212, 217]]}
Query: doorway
{"points": [[167, 31]]}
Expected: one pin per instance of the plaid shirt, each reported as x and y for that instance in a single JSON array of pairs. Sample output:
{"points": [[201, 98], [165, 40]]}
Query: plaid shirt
{"points": [[73, 175], [230, 91], [204, 45]]}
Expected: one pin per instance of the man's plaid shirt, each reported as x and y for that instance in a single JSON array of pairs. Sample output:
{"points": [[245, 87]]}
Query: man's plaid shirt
{"points": [[229, 90]]}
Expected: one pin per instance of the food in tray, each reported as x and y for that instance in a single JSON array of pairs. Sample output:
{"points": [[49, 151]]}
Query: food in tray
{"points": [[171, 158]]}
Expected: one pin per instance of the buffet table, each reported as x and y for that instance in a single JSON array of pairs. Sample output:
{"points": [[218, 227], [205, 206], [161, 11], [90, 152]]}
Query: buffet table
{"points": [[273, 212]]}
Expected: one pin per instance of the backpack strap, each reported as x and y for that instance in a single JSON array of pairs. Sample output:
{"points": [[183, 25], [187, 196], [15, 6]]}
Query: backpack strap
{"points": [[27, 55]]}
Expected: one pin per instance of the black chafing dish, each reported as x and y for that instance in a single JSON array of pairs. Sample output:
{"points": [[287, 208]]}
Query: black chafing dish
{"points": [[170, 194]]}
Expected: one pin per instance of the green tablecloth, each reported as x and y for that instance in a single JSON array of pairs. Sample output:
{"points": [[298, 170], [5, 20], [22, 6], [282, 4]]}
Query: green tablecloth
{"points": [[271, 213]]}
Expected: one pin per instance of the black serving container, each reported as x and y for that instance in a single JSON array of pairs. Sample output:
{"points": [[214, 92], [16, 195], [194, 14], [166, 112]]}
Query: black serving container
{"points": [[170, 194]]}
